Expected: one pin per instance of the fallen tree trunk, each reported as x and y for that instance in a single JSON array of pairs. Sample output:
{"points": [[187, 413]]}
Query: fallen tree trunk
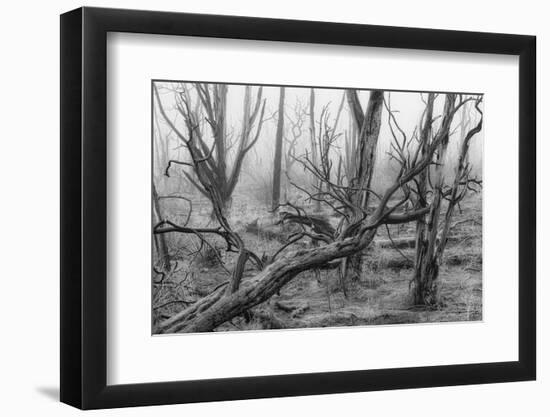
{"points": [[193, 311], [210, 312]]}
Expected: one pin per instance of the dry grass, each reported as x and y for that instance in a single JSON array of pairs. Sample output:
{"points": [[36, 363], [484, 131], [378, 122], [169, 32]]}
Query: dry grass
{"points": [[380, 297]]}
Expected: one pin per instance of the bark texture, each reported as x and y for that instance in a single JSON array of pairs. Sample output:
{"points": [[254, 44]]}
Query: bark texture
{"points": [[161, 245], [277, 162], [215, 309], [368, 126], [432, 230]]}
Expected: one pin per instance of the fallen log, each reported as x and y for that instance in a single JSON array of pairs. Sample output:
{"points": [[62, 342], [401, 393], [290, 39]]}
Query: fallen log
{"points": [[210, 312], [194, 310]]}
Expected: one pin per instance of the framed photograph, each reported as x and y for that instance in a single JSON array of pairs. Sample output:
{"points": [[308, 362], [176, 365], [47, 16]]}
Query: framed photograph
{"points": [[258, 208]]}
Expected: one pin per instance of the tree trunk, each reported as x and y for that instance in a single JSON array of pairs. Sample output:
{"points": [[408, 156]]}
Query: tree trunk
{"points": [[353, 268], [278, 152], [421, 294], [208, 313], [425, 288], [368, 125], [226, 201], [314, 154], [434, 238], [160, 240], [238, 271]]}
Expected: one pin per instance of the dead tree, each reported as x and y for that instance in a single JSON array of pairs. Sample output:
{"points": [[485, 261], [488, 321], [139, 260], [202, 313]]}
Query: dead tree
{"points": [[312, 136], [294, 133], [350, 149], [322, 140], [207, 166], [432, 230], [362, 160], [214, 162], [350, 237], [162, 265], [321, 146], [278, 151], [422, 202]]}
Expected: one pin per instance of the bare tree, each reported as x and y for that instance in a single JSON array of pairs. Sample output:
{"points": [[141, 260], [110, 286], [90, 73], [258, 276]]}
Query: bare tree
{"points": [[350, 149], [210, 167], [432, 230], [162, 265], [278, 151], [294, 133], [213, 159], [362, 160], [312, 136]]}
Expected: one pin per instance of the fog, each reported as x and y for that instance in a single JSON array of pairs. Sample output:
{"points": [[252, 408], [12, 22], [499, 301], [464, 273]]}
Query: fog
{"points": [[260, 224], [257, 171]]}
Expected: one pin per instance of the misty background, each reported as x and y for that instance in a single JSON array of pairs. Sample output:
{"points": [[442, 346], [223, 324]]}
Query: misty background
{"points": [[257, 172]]}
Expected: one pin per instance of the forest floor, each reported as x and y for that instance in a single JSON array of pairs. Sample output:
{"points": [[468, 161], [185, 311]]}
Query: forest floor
{"points": [[315, 299]]}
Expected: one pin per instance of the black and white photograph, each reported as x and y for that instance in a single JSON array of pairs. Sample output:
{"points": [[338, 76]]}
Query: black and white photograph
{"points": [[293, 207], [275, 209]]}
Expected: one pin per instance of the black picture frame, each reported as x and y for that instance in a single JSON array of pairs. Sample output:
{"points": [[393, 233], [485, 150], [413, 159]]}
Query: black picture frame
{"points": [[84, 207]]}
